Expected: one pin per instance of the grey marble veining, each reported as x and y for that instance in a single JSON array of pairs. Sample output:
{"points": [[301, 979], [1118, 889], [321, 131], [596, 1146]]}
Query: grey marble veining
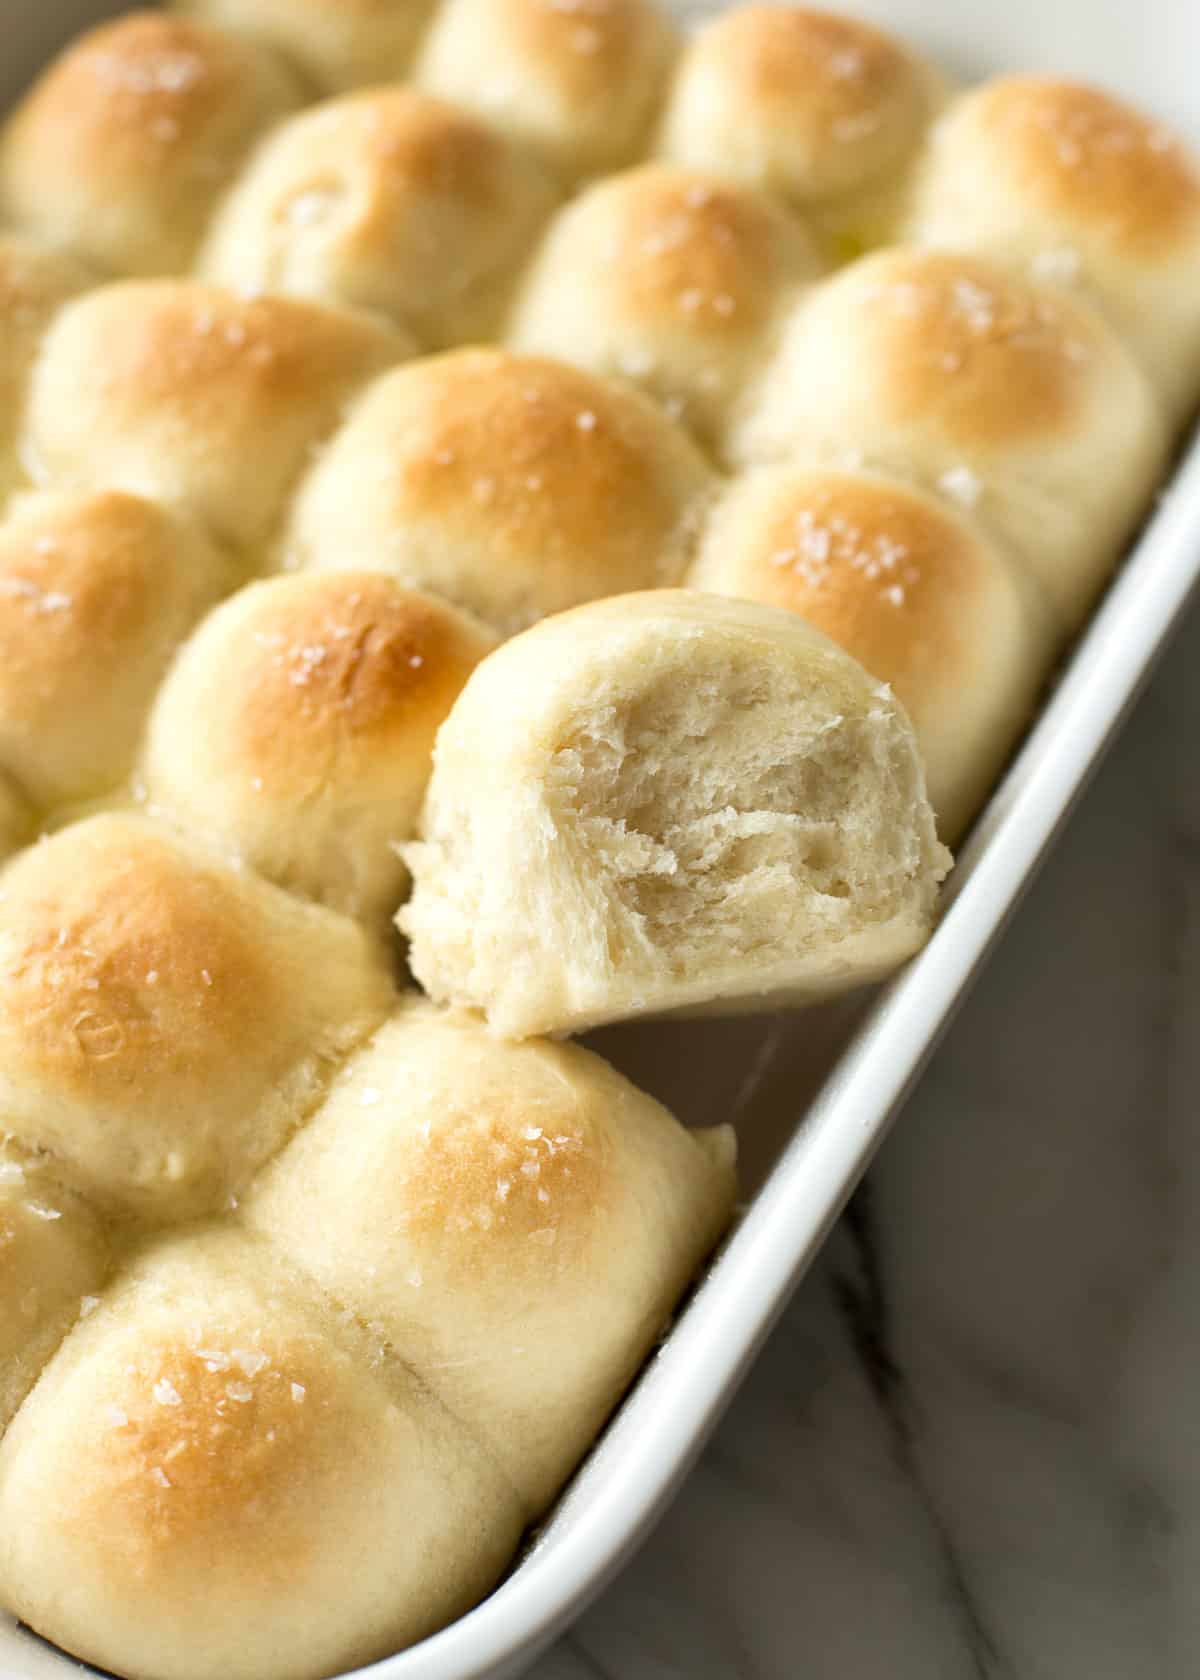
{"points": [[972, 1448]]}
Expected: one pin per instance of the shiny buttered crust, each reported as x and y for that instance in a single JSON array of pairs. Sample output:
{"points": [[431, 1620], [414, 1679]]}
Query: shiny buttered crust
{"points": [[662, 802], [462, 1195], [198, 396], [54, 1260], [296, 730], [915, 591], [513, 485], [35, 282], [578, 83], [220, 1476], [165, 1021], [123, 146], [97, 590], [1006, 397], [827, 112], [336, 44], [392, 201], [671, 278], [1076, 188]]}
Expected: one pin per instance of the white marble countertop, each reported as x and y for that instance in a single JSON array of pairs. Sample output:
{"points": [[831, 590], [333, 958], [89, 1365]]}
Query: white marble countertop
{"points": [[972, 1448]]}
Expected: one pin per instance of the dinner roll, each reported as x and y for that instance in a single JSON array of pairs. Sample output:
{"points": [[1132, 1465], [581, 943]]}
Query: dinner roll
{"points": [[296, 729], [668, 801], [97, 589], [220, 1477], [512, 485], [914, 591], [337, 43], [1007, 397], [825, 111], [669, 278], [53, 1261], [479, 1203], [579, 82], [391, 201], [194, 395], [1075, 187], [165, 1022], [123, 146], [34, 284]]}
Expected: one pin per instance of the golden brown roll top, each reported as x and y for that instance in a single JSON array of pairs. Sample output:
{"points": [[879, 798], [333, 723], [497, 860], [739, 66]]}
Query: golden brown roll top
{"points": [[197, 396], [216, 1434], [336, 43], [164, 1021], [669, 278], [1073, 186], [915, 591], [579, 82], [389, 200], [512, 485], [468, 1196], [123, 146], [667, 802], [296, 730], [1006, 397], [53, 1262], [35, 283], [97, 590], [827, 112]]}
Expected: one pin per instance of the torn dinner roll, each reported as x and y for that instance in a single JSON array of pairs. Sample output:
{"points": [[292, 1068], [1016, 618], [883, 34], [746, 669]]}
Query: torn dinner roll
{"points": [[35, 282], [391, 201], [668, 801], [669, 278], [914, 590], [578, 81], [121, 149], [1075, 187], [97, 590], [296, 730], [513, 485], [825, 111], [336, 43], [54, 1258], [464, 1196], [190, 1445], [165, 1022], [197, 396], [1010, 399]]}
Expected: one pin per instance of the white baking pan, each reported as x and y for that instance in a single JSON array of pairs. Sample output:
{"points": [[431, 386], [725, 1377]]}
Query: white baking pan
{"points": [[813, 1094]]}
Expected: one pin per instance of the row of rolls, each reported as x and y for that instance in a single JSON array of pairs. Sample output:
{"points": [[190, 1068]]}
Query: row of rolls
{"points": [[677, 573]]}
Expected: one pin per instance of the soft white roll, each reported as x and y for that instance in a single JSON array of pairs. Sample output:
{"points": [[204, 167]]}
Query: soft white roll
{"points": [[197, 396], [296, 730], [915, 591], [1073, 186], [668, 801], [1010, 399], [221, 1476], [669, 278], [578, 83], [479, 1202], [825, 111], [97, 590], [165, 1022], [336, 43], [123, 146], [389, 200], [513, 485]]}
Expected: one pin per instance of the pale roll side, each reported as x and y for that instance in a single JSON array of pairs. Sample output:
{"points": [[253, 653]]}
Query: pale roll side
{"points": [[35, 282], [337, 44]]}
